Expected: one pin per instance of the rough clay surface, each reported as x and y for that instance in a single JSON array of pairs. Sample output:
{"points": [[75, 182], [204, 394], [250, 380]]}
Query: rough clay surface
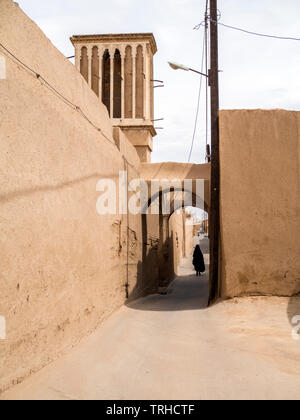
{"points": [[173, 347], [260, 202], [62, 266]]}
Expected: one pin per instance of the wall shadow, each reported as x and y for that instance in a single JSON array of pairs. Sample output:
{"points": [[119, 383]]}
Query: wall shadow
{"points": [[187, 293], [293, 309], [156, 274], [13, 195], [156, 269], [149, 274]]}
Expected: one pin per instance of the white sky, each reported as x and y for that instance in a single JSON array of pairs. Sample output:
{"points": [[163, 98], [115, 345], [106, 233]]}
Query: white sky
{"points": [[257, 72]]}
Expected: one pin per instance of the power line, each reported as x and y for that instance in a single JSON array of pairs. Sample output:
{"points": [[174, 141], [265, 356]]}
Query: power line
{"points": [[204, 61], [65, 100], [286, 38], [256, 33], [60, 95], [204, 55], [198, 103]]}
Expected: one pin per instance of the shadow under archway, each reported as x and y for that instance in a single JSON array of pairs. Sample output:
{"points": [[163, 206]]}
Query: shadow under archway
{"points": [[156, 271], [187, 293]]}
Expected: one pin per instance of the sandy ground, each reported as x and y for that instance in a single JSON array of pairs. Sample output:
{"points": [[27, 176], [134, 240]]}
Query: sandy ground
{"points": [[173, 347]]}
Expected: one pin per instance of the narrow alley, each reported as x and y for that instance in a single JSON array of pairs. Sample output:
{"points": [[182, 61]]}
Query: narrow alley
{"points": [[174, 347]]}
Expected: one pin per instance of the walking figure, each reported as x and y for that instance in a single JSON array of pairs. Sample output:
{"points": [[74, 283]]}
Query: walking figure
{"points": [[198, 261]]}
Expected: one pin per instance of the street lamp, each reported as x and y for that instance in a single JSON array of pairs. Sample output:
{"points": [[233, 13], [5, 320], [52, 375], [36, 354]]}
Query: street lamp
{"points": [[176, 66]]}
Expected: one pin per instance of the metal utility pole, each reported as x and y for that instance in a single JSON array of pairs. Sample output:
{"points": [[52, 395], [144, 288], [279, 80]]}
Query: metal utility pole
{"points": [[215, 158]]}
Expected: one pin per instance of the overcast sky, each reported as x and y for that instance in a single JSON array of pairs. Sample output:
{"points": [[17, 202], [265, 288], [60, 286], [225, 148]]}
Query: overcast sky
{"points": [[257, 72]]}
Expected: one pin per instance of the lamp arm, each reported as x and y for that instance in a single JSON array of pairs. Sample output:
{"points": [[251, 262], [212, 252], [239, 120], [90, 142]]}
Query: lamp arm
{"points": [[199, 72]]}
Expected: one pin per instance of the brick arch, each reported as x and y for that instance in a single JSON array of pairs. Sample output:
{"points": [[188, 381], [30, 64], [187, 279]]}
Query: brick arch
{"points": [[179, 171], [195, 200], [170, 171]]}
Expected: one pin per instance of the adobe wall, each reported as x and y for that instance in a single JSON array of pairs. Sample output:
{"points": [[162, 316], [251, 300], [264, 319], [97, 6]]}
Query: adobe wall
{"points": [[178, 239], [197, 228], [181, 234], [260, 202], [190, 240], [63, 268]]}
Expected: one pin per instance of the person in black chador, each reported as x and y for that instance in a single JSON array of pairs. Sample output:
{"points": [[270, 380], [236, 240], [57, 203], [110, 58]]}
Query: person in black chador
{"points": [[198, 261]]}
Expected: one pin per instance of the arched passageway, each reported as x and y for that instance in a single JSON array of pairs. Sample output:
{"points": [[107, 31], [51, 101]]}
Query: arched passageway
{"points": [[186, 180]]}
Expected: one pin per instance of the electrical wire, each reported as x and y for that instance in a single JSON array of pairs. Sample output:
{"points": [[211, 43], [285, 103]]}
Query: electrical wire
{"points": [[204, 55], [198, 103], [64, 99], [56, 92], [286, 38], [256, 33]]}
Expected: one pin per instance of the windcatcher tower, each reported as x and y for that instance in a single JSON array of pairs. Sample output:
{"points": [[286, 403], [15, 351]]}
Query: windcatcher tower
{"points": [[119, 69]]}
